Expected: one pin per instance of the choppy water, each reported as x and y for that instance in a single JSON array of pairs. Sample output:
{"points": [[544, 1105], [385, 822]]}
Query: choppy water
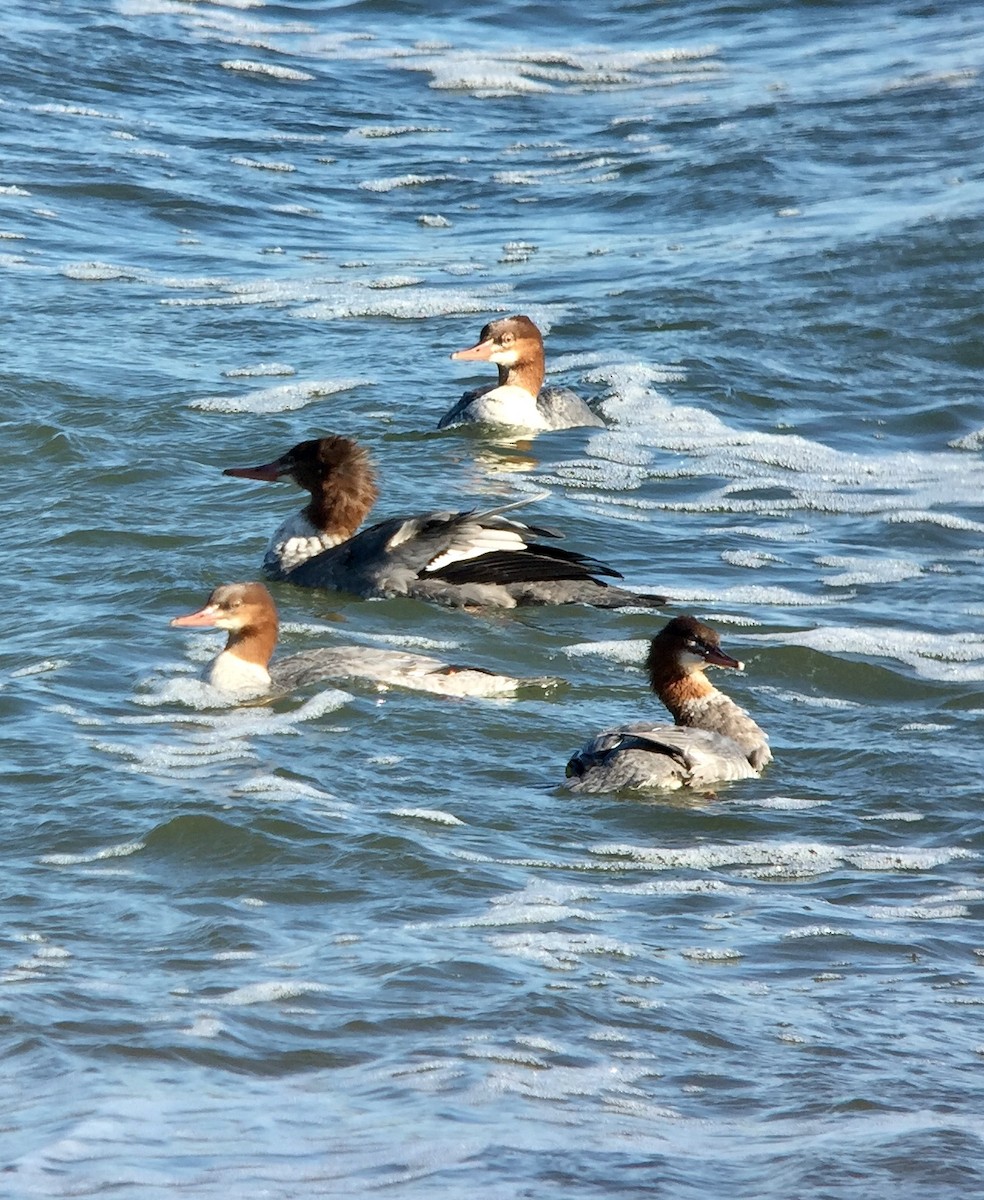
{"points": [[358, 943]]}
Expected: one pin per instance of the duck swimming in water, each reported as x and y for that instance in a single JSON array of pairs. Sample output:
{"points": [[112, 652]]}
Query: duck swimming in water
{"points": [[519, 400], [244, 668], [480, 558], [712, 740]]}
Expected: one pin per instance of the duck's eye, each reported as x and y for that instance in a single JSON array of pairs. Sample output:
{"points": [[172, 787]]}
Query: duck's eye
{"points": [[506, 339]]}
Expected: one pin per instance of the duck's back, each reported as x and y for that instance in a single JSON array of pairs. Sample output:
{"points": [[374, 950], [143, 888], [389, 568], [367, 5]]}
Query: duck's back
{"points": [[656, 757], [560, 408], [391, 668]]}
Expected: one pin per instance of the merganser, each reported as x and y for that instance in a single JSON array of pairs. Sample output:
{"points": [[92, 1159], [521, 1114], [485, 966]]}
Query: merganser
{"points": [[455, 558], [519, 399], [713, 739], [244, 669]]}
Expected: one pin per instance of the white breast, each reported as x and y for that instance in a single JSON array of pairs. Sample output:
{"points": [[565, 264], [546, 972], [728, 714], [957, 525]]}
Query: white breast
{"points": [[231, 674], [508, 405], [295, 542]]}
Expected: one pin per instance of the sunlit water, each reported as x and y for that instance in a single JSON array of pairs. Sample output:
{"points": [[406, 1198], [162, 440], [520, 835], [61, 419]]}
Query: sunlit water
{"points": [[359, 942]]}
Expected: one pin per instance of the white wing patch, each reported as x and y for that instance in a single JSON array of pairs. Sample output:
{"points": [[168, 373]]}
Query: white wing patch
{"points": [[476, 540], [407, 530]]}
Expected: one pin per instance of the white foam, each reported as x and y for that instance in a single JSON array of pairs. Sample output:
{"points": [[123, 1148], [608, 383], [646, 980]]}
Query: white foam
{"points": [[282, 788], [815, 931], [955, 657], [402, 181], [681, 887], [963, 78], [270, 70], [778, 859], [790, 697], [359, 300], [123, 850], [559, 951], [204, 1027], [803, 476], [256, 164], [894, 816], [536, 69], [631, 650], [389, 131], [434, 815], [918, 912], [711, 954], [40, 668], [284, 398], [867, 569], [264, 368], [753, 559], [910, 516], [782, 803], [72, 110], [100, 272], [271, 991]]}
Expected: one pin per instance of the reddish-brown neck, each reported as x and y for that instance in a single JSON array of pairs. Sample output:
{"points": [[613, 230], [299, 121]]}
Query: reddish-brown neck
{"points": [[677, 688], [527, 372], [255, 642]]}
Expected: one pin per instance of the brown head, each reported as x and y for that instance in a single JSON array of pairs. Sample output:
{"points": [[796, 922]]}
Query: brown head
{"points": [[515, 345], [335, 470], [247, 611], [678, 656]]}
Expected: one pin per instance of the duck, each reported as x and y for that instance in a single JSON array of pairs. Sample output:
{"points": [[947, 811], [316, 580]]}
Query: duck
{"points": [[477, 558], [711, 741], [519, 400], [244, 668]]}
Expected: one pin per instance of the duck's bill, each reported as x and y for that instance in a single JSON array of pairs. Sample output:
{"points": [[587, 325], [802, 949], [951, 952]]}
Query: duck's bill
{"points": [[268, 472], [481, 352], [718, 658], [205, 616]]}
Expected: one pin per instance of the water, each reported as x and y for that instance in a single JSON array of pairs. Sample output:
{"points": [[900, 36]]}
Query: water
{"points": [[356, 942]]}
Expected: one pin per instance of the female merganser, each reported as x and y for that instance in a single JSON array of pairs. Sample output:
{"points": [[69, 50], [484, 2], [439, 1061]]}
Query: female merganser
{"points": [[455, 558], [243, 668], [519, 399], [713, 739]]}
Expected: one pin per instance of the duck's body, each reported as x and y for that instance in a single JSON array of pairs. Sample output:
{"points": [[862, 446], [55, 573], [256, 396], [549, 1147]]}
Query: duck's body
{"points": [[519, 400], [713, 739], [244, 668], [480, 558]]}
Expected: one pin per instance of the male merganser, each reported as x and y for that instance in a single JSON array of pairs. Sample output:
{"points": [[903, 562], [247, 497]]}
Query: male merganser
{"points": [[713, 739], [455, 558], [519, 399], [248, 612]]}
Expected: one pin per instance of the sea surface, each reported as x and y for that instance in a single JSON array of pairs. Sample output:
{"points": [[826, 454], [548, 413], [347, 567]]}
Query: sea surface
{"points": [[360, 942]]}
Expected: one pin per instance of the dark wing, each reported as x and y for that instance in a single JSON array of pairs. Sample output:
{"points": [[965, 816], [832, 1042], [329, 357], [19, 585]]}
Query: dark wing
{"points": [[447, 548], [535, 563], [461, 408]]}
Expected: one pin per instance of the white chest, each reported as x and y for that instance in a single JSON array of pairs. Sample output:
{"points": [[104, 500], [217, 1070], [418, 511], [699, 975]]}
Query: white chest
{"points": [[295, 542], [231, 674], [508, 405]]}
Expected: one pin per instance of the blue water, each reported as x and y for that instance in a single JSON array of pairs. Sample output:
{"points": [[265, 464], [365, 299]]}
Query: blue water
{"points": [[361, 942]]}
